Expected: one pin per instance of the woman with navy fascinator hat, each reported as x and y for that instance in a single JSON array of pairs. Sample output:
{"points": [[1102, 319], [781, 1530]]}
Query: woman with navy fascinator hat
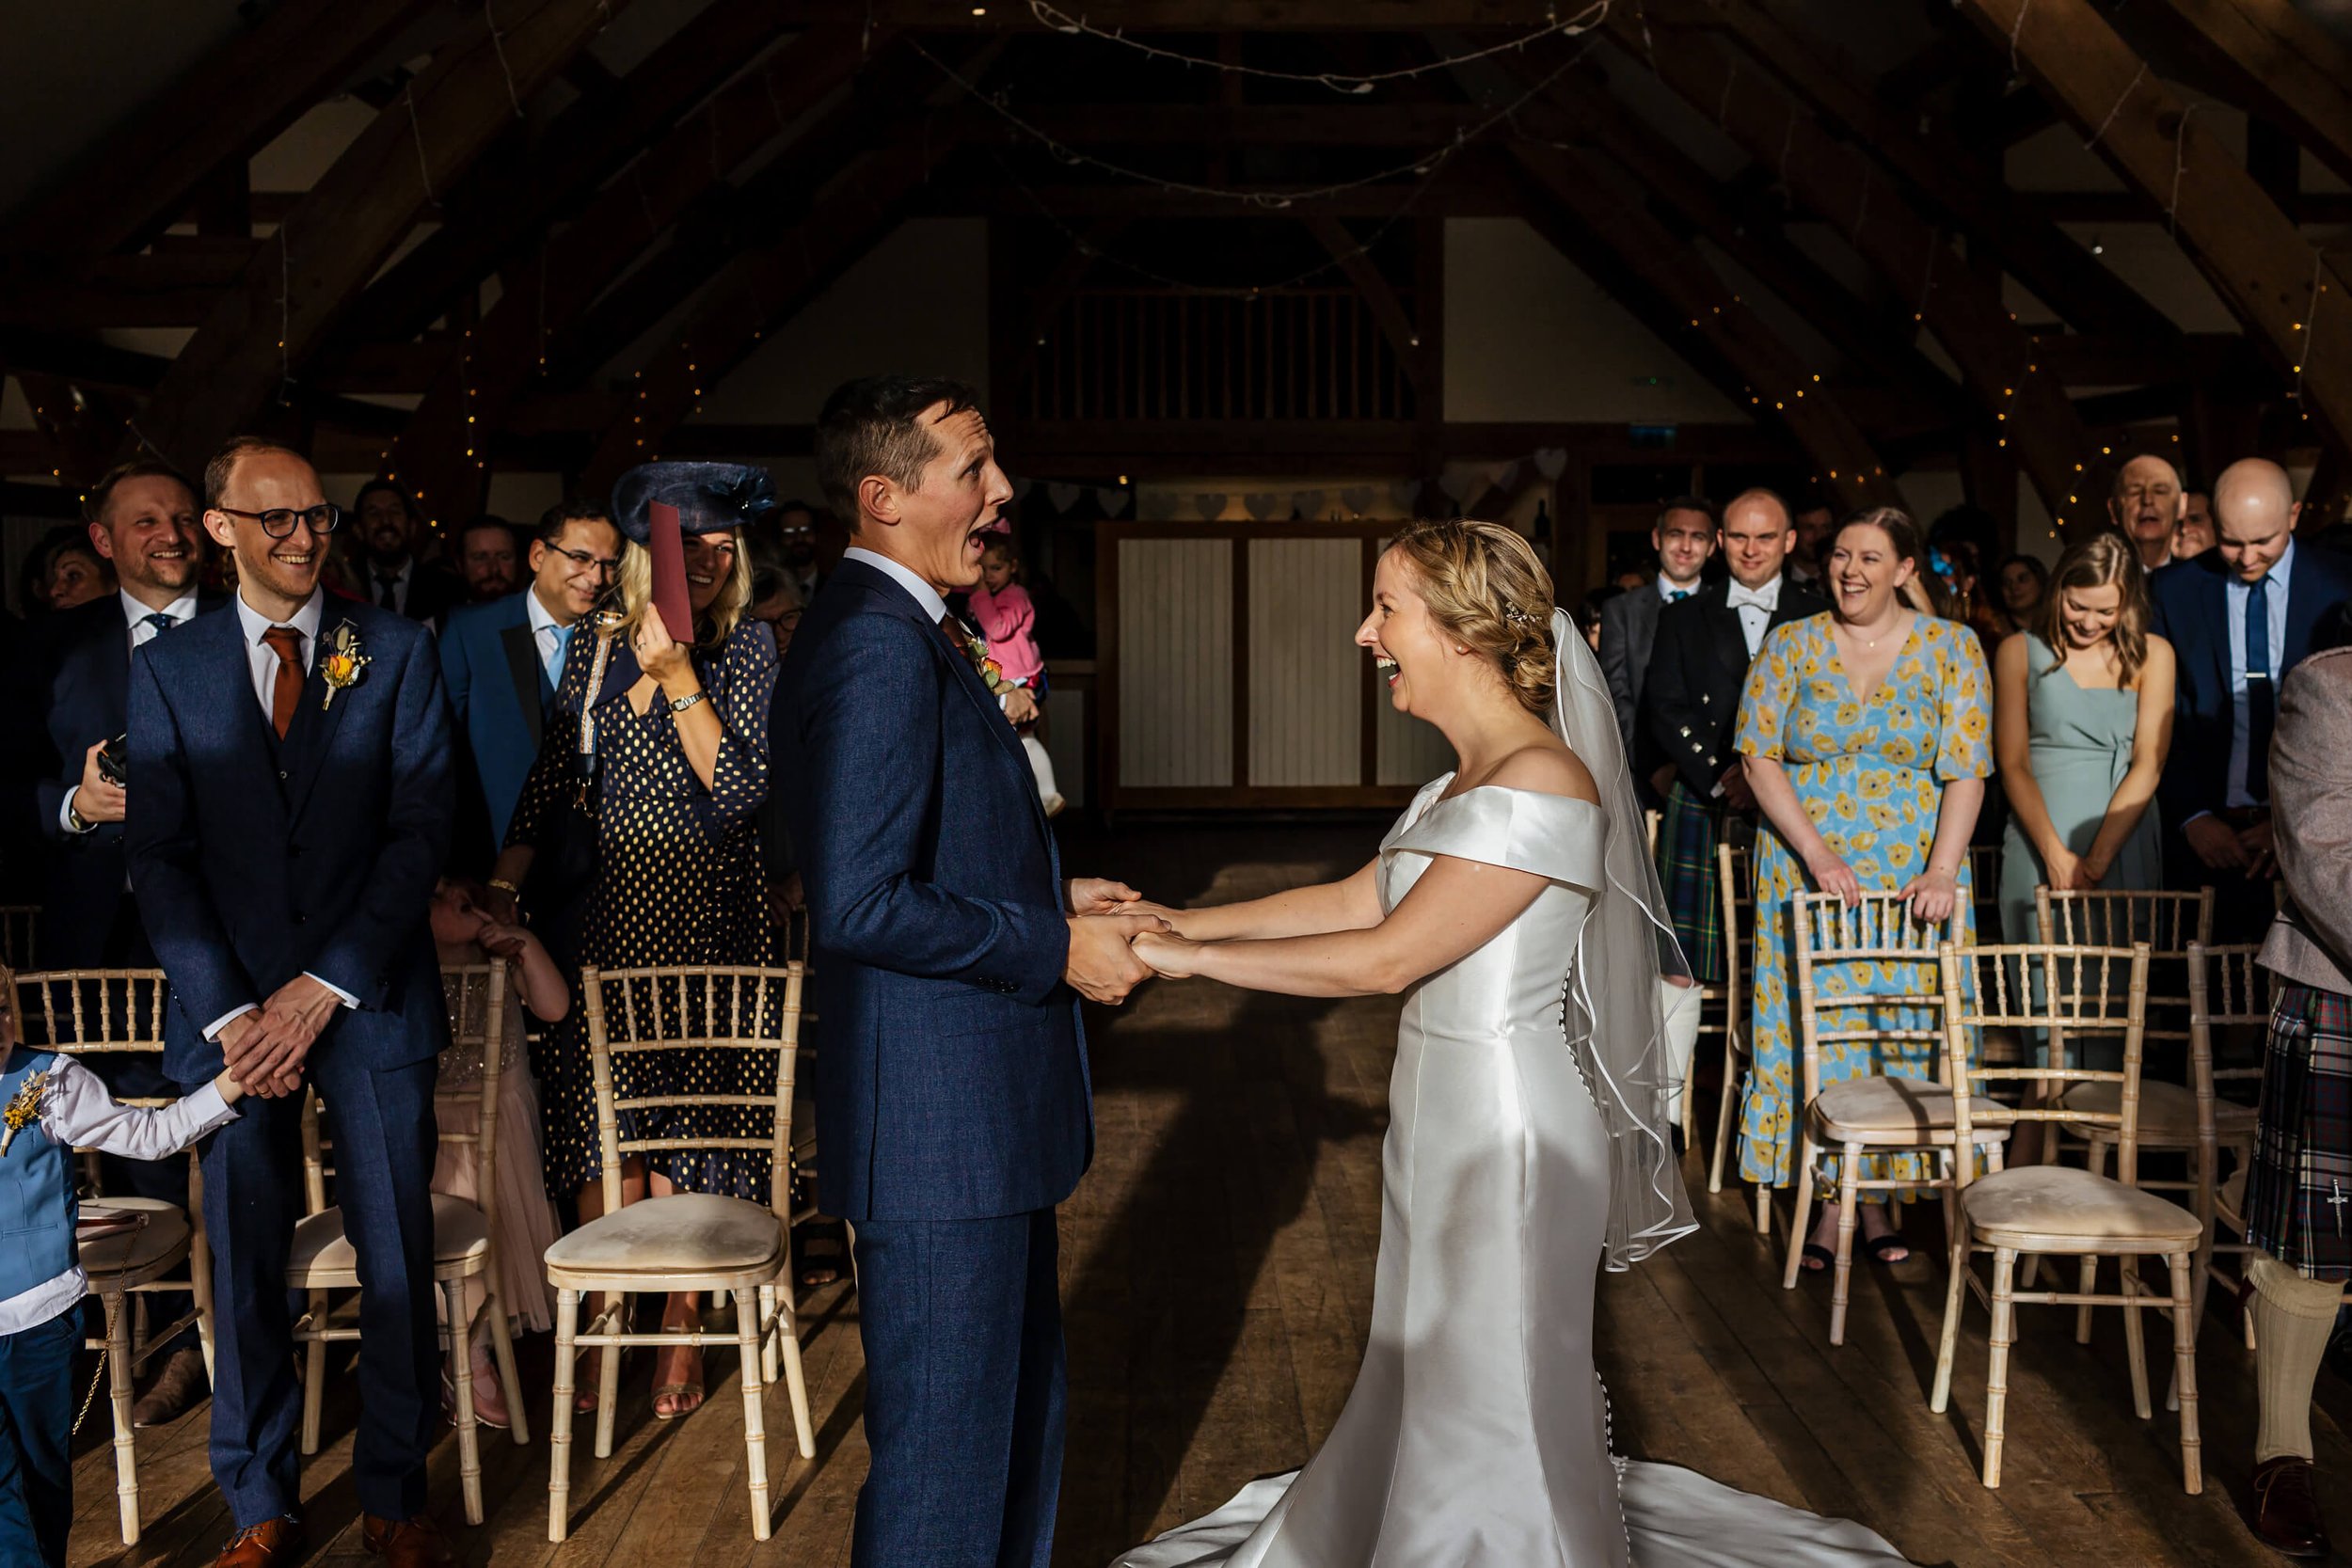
{"points": [[662, 745]]}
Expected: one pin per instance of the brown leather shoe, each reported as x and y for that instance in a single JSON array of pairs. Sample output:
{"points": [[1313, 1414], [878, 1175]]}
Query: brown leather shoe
{"points": [[2282, 1508], [270, 1544], [414, 1542], [180, 1386]]}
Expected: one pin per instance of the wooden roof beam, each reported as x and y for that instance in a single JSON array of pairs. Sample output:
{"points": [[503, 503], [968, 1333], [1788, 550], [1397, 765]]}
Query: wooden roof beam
{"points": [[1974, 194], [1199, 16], [496, 212], [1844, 184], [138, 177], [2291, 300], [296, 288], [2282, 58], [547, 297]]}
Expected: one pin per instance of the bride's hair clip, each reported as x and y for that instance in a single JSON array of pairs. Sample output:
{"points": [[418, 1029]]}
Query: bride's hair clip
{"points": [[1516, 616]]}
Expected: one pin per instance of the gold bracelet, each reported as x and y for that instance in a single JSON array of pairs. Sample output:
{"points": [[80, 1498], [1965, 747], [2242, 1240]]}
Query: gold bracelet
{"points": [[501, 884]]}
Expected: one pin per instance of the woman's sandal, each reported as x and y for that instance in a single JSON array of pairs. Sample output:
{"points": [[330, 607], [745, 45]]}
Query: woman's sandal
{"points": [[1879, 1246], [685, 1398], [1816, 1259]]}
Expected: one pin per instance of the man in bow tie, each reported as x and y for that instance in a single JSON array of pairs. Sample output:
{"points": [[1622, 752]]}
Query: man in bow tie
{"points": [[1699, 666], [1684, 538], [290, 762]]}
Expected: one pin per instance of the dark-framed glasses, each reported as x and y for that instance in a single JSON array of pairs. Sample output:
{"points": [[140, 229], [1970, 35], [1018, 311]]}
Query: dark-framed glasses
{"points": [[602, 564], [278, 522]]}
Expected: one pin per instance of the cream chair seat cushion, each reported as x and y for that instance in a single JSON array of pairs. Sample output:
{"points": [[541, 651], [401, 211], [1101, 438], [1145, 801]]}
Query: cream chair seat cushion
{"points": [[1898, 1111], [2045, 1207], [460, 1237], [130, 1254], [685, 1233], [2168, 1113]]}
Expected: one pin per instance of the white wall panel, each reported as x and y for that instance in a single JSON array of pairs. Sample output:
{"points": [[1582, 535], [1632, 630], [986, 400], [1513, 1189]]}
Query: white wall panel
{"points": [[1175, 664], [1306, 690]]}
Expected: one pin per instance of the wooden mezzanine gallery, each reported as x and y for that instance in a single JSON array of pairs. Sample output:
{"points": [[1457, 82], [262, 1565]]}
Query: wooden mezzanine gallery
{"points": [[1244, 289]]}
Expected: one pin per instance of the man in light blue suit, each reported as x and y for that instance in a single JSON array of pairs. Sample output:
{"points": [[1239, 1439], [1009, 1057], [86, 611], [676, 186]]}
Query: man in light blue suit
{"points": [[951, 1081], [290, 756], [502, 660]]}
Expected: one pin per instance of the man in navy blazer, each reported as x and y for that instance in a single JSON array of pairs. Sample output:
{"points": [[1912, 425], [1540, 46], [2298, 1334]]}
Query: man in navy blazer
{"points": [[501, 661], [951, 1082], [290, 761], [143, 518], [2239, 617]]}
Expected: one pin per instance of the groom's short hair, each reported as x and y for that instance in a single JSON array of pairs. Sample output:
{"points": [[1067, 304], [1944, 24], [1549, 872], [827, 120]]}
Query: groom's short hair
{"points": [[222, 469], [874, 425]]}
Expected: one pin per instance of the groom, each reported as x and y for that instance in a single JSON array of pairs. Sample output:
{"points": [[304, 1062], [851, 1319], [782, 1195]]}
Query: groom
{"points": [[952, 1086]]}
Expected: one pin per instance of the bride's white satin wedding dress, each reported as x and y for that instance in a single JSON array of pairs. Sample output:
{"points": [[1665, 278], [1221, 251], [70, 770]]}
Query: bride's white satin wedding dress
{"points": [[1477, 1433]]}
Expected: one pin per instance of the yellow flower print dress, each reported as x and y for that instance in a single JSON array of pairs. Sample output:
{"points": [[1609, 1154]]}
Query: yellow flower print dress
{"points": [[1872, 777]]}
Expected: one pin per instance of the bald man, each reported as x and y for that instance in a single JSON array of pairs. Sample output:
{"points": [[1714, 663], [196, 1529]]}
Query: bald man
{"points": [[2239, 617], [2146, 507]]}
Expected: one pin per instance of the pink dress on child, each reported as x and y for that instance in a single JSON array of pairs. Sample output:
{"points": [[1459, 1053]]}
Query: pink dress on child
{"points": [[1008, 621], [525, 1227]]}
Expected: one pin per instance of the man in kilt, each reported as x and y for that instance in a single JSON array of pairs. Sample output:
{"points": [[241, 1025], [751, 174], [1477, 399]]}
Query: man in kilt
{"points": [[2298, 1202], [1691, 705]]}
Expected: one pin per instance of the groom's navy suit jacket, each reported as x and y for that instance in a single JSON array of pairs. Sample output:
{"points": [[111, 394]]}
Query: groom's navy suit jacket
{"points": [[951, 1082], [255, 860]]}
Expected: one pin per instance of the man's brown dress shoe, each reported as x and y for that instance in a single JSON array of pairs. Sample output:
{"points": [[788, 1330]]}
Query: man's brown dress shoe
{"points": [[178, 1385], [270, 1544], [2283, 1509], [414, 1542]]}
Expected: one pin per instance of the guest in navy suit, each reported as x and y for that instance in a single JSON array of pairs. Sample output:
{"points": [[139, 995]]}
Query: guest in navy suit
{"points": [[390, 566], [142, 518], [502, 660], [290, 762], [952, 1082], [2239, 617]]}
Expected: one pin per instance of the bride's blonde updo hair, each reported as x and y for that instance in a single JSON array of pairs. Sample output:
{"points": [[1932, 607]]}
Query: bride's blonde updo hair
{"points": [[1487, 589]]}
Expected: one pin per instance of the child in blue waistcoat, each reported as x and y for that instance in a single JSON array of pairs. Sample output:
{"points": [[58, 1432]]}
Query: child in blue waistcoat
{"points": [[53, 1105]]}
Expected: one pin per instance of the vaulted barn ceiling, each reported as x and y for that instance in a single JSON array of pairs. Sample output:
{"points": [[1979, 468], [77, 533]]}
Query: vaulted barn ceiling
{"points": [[552, 225]]}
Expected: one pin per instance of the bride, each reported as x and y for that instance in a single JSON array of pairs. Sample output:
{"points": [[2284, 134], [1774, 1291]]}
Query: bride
{"points": [[1515, 905]]}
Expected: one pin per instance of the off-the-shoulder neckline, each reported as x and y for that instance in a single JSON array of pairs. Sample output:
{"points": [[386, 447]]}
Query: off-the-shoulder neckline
{"points": [[1442, 799]]}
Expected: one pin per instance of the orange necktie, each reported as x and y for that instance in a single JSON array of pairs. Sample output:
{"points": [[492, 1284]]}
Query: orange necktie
{"points": [[286, 643]]}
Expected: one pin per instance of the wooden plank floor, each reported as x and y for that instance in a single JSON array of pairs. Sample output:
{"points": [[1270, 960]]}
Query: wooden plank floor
{"points": [[1217, 1272]]}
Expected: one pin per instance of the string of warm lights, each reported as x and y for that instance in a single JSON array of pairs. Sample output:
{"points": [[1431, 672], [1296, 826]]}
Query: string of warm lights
{"points": [[1422, 164], [1351, 85]]}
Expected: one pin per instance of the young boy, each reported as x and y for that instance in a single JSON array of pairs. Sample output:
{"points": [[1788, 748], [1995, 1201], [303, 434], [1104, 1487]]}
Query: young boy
{"points": [[53, 1105]]}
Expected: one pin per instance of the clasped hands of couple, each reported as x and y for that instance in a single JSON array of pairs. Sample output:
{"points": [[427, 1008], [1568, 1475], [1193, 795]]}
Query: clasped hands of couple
{"points": [[1119, 939]]}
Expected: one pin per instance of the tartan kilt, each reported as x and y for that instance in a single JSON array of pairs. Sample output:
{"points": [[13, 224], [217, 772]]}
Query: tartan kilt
{"points": [[2298, 1200], [1687, 836]]}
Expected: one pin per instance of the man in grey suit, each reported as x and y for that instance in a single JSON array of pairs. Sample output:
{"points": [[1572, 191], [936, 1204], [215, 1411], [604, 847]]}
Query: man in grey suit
{"points": [[2302, 1176], [1684, 537]]}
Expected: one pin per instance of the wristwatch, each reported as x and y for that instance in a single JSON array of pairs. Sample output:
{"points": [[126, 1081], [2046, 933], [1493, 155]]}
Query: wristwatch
{"points": [[682, 703], [75, 821]]}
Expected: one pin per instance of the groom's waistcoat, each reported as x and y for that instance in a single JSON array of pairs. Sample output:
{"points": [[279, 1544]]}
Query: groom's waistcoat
{"points": [[950, 1077]]}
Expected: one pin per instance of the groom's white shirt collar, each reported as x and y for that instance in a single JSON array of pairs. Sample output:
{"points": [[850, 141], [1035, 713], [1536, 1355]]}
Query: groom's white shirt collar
{"points": [[925, 594]]}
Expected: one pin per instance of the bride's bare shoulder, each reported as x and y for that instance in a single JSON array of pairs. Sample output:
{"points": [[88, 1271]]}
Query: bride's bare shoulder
{"points": [[1548, 768]]}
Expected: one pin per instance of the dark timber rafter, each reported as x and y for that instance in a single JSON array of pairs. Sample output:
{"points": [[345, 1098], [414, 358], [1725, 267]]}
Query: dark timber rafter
{"points": [[547, 296], [2288, 295], [296, 288], [1845, 185]]}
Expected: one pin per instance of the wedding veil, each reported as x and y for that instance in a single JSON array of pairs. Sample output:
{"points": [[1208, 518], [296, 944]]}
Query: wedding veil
{"points": [[1613, 1009]]}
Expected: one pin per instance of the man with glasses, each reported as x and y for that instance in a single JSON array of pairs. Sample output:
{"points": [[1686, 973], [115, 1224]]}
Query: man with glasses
{"points": [[290, 761], [503, 662]]}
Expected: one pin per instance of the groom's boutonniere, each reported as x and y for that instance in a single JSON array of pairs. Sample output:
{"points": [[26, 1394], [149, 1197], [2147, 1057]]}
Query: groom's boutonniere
{"points": [[992, 673], [343, 664], [23, 1110]]}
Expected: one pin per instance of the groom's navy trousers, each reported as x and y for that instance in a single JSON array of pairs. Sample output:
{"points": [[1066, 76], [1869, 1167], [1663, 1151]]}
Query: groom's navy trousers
{"points": [[950, 1076]]}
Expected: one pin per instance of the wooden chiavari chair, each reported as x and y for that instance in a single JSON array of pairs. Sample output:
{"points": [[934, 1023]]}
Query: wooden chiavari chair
{"points": [[2060, 1210], [1735, 886], [685, 1241], [2226, 988], [464, 1244], [1876, 1115], [98, 1012]]}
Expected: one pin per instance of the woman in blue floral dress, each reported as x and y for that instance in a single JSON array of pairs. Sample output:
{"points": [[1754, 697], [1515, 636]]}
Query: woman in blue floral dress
{"points": [[1867, 737]]}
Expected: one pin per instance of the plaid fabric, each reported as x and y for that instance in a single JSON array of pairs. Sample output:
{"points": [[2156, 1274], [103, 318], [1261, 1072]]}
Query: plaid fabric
{"points": [[2299, 1201], [1687, 836]]}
